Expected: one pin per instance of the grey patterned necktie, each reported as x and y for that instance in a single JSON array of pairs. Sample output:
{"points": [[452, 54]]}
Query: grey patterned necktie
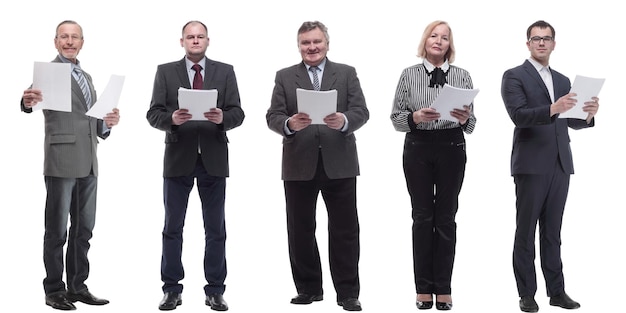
{"points": [[82, 82], [316, 80]]}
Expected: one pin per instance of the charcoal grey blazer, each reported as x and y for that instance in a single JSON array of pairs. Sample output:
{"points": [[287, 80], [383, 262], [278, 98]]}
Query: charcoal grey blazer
{"points": [[302, 149]]}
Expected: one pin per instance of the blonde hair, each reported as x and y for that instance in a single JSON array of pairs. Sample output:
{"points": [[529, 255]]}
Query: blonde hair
{"points": [[421, 49]]}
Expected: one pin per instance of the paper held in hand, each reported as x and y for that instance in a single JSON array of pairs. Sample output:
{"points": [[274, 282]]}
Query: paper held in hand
{"points": [[109, 98], [55, 82], [451, 98], [197, 101], [317, 104], [585, 88]]}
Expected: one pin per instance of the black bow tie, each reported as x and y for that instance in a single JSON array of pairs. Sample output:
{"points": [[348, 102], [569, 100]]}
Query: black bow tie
{"points": [[437, 77]]}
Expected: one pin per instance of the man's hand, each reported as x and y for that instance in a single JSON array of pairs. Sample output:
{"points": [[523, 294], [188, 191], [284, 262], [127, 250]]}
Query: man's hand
{"points": [[31, 97], [298, 121], [111, 119], [215, 115], [180, 116]]}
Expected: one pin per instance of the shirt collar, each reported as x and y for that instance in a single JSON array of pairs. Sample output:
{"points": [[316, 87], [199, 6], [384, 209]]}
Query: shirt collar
{"points": [[537, 65], [321, 65], [65, 60], [430, 67], [190, 64]]}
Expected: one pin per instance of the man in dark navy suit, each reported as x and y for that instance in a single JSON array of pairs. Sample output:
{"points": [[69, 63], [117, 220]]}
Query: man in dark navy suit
{"points": [[541, 164]]}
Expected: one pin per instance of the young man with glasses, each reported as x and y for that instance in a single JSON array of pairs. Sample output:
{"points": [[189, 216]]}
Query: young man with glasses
{"points": [[541, 164]]}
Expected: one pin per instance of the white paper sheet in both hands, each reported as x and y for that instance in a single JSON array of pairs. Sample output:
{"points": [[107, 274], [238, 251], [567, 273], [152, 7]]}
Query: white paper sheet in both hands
{"points": [[451, 98], [317, 104], [197, 101], [54, 81], [585, 88], [109, 98]]}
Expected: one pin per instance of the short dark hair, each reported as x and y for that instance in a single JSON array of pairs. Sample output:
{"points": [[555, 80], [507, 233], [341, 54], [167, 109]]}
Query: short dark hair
{"points": [[309, 26], [541, 24]]}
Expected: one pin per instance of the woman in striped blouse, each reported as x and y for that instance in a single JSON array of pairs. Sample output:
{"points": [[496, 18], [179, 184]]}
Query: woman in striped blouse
{"points": [[433, 160]]}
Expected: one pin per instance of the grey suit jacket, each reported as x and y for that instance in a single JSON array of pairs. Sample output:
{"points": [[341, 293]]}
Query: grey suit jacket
{"points": [[302, 149], [538, 139], [182, 141], [71, 138]]}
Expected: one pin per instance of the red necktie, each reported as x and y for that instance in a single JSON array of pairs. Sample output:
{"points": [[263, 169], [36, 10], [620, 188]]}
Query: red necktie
{"points": [[197, 78]]}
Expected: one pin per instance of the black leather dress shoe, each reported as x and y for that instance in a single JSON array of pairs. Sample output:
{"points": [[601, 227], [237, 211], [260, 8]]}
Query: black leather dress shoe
{"points": [[59, 302], [350, 304], [216, 302], [443, 306], [528, 304], [170, 301], [86, 297], [424, 305], [564, 301], [304, 298]]}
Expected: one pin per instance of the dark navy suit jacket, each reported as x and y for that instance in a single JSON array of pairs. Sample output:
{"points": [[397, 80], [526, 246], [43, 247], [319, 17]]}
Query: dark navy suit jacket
{"points": [[538, 139]]}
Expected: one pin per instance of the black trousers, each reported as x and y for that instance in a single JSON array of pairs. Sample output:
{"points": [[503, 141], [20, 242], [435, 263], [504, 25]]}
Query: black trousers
{"points": [[540, 198], [339, 195], [434, 168]]}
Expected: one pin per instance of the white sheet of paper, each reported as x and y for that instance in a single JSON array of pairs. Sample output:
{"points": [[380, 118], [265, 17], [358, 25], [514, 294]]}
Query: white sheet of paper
{"points": [[197, 101], [109, 98], [451, 98], [55, 82], [585, 88], [317, 104]]}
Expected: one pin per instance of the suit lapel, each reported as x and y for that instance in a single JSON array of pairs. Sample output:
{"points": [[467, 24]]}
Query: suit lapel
{"points": [[303, 80], [532, 72], [209, 72], [329, 78], [182, 72]]}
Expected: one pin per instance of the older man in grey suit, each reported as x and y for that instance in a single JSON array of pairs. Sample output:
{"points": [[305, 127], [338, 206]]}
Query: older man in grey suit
{"points": [[320, 158], [70, 174]]}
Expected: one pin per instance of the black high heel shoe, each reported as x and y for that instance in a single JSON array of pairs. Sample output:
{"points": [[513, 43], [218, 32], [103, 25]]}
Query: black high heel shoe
{"points": [[443, 306], [424, 305]]}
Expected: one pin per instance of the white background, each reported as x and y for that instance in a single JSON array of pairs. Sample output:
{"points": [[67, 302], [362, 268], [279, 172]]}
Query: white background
{"points": [[258, 38]]}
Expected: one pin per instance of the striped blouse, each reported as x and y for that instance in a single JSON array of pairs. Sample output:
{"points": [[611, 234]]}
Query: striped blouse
{"points": [[413, 94]]}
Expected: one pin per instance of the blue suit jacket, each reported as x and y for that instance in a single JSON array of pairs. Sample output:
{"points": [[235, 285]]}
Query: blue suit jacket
{"points": [[538, 139]]}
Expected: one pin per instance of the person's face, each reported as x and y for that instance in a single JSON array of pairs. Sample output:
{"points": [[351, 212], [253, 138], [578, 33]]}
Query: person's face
{"points": [[541, 49], [195, 41], [438, 43], [313, 46], [69, 41]]}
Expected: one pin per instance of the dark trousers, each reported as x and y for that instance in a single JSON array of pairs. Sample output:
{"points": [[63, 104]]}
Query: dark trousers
{"points": [[176, 192], [540, 198], [76, 198], [343, 234], [434, 168]]}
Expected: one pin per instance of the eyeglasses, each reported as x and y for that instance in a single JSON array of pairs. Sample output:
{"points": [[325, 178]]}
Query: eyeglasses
{"points": [[67, 37], [537, 39]]}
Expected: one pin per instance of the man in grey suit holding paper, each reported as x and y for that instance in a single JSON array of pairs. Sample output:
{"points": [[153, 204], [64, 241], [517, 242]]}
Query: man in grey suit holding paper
{"points": [[320, 158], [541, 163], [195, 150], [71, 177]]}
